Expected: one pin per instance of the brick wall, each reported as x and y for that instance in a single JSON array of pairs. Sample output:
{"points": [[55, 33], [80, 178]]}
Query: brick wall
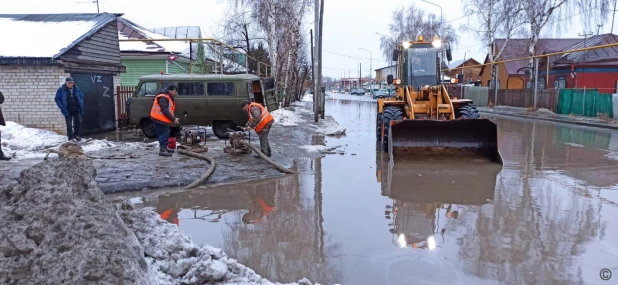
{"points": [[29, 94]]}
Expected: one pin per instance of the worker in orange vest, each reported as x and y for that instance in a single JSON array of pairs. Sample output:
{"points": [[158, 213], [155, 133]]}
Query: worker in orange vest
{"points": [[261, 121], [261, 205], [162, 114]]}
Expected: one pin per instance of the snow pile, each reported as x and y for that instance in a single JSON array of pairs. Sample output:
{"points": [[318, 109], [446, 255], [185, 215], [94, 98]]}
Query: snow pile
{"points": [[307, 98], [55, 35], [330, 128], [319, 148], [286, 117], [57, 228], [29, 143]]}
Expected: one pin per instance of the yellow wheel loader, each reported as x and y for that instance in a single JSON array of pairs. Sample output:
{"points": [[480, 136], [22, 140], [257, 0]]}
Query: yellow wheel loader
{"points": [[422, 120]]}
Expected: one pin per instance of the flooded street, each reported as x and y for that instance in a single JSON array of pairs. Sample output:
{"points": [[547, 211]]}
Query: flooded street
{"points": [[548, 216]]}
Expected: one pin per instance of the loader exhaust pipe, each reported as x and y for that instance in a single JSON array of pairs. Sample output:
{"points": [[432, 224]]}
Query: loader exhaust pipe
{"points": [[451, 139]]}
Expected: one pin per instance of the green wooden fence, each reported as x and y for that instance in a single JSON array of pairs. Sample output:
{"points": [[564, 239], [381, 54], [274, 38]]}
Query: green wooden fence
{"points": [[588, 103]]}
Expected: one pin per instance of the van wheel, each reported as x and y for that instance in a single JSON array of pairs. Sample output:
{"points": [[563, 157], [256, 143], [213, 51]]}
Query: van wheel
{"points": [[220, 128], [148, 128]]}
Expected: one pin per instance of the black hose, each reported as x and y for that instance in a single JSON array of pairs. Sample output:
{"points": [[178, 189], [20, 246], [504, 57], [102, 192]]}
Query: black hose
{"points": [[271, 162]]}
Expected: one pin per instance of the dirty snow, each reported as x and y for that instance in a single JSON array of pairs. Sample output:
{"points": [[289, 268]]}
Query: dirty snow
{"points": [[307, 98], [330, 128], [55, 35], [318, 148], [286, 117], [29, 143]]}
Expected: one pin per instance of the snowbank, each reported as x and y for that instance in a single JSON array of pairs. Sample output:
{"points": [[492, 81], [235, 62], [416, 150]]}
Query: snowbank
{"points": [[57, 228], [286, 117], [307, 98], [29, 143], [330, 128]]}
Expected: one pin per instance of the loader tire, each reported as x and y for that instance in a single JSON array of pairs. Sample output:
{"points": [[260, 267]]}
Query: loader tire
{"points": [[468, 112], [390, 113], [378, 126]]}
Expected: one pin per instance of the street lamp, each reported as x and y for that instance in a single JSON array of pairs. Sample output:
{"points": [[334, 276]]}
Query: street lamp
{"points": [[349, 75], [370, 70]]}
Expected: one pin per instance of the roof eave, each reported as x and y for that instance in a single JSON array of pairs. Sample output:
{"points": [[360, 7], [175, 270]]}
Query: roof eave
{"points": [[89, 33]]}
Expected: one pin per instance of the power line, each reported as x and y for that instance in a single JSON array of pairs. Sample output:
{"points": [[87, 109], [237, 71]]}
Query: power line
{"points": [[467, 47]]}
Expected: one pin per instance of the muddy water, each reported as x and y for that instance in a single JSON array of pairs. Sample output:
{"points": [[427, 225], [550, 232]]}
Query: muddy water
{"points": [[546, 217]]}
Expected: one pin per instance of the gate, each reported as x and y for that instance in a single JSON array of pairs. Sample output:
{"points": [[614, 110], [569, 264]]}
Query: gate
{"points": [[99, 112]]}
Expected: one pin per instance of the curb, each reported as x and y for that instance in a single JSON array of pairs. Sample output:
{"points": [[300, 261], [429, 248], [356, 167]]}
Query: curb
{"points": [[585, 124]]}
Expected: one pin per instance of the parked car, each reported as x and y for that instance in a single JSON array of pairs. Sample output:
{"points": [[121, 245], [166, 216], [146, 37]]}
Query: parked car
{"points": [[358, 92], [383, 93], [203, 99]]}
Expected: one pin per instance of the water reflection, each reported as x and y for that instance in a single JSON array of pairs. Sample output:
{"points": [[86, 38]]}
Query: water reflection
{"points": [[274, 226]]}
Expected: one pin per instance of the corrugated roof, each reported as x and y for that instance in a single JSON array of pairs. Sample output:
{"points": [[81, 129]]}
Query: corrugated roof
{"points": [[518, 48], [48, 35], [602, 54]]}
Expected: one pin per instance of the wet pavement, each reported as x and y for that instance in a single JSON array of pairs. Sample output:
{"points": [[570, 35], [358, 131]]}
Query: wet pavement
{"points": [[547, 216]]}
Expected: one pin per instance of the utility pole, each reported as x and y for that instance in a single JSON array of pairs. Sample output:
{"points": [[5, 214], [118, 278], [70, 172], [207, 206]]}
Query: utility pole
{"points": [[323, 92], [371, 70], [359, 75], [313, 72], [316, 87]]}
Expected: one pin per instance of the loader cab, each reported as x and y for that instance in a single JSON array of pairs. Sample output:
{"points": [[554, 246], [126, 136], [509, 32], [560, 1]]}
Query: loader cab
{"points": [[418, 63]]}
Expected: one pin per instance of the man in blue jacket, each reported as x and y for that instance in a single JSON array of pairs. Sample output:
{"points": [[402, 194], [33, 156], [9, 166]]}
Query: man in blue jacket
{"points": [[70, 100]]}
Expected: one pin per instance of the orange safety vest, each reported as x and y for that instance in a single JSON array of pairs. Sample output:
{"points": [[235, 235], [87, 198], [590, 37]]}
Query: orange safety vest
{"points": [[156, 112], [264, 119]]}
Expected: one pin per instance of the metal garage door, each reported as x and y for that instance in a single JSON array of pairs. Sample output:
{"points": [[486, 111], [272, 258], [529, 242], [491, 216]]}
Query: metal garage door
{"points": [[99, 112]]}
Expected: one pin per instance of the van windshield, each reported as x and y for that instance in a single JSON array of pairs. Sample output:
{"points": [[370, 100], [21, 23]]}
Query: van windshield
{"points": [[147, 88]]}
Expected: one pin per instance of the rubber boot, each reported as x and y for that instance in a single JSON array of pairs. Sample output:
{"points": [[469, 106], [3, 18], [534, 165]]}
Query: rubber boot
{"points": [[163, 152], [4, 157]]}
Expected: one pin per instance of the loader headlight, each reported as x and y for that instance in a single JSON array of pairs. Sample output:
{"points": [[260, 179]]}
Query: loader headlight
{"points": [[405, 44], [397, 81], [437, 43]]}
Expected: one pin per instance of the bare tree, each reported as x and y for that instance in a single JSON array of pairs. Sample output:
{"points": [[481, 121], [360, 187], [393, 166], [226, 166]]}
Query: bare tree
{"points": [[496, 19], [409, 23], [539, 13]]}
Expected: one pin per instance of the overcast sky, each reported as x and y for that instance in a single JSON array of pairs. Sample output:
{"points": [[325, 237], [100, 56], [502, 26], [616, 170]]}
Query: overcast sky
{"points": [[348, 24]]}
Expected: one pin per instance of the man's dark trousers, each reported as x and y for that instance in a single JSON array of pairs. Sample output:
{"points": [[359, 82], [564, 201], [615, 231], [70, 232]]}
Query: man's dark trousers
{"points": [[74, 124], [163, 134]]}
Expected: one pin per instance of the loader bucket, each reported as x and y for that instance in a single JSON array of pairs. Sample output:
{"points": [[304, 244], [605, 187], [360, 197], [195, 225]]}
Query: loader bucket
{"points": [[451, 139]]}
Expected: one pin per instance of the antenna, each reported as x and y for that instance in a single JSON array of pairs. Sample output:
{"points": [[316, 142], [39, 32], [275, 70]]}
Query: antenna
{"points": [[93, 1]]}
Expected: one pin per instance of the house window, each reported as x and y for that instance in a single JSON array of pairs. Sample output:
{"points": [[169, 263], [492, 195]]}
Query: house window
{"points": [[147, 88], [190, 88], [541, 83], [221, 89], [560, 83]]}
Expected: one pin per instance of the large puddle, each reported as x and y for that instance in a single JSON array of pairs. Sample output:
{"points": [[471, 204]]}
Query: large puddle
{"points": [[546, 217]]}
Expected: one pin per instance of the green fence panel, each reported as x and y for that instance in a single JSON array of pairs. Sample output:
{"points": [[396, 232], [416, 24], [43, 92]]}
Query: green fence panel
{"points": [[603, 104], [564, 101]]}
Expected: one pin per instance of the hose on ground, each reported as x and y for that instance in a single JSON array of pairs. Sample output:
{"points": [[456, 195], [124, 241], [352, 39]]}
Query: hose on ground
{"points": [[204, 176], [271, 162]]}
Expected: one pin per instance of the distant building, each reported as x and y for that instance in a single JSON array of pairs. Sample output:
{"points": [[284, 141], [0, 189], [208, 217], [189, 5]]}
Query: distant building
{"points": [[382, 73], [472, 72], [596, 69], [42, 50]]}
